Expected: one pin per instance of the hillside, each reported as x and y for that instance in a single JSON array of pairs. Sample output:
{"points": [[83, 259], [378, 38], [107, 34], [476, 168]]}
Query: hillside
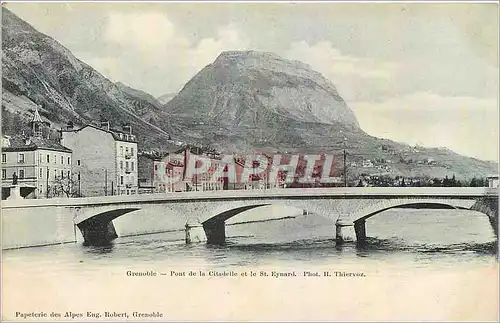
{"points": [[242, 102], [247, 101], [37, 70]]}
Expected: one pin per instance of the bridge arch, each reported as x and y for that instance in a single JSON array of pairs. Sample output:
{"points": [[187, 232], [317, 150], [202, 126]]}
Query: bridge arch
{"points": [[357, 220], [384, 205], [213, 220], [104, 214], [98, 228], [225, 211]]}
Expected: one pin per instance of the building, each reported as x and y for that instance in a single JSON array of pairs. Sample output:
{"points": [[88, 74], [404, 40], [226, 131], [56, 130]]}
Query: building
{"points": [[42, 167], [145, 172], [493, 181], [170, 173], [167, 173], [161, 174], [105, 159]]}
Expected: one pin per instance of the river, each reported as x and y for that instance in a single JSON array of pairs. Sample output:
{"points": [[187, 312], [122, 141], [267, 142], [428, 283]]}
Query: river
{"points": [[417, 264]]}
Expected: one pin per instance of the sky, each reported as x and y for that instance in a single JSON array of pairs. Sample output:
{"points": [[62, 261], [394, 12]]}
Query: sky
{"points": [[420, 73]]}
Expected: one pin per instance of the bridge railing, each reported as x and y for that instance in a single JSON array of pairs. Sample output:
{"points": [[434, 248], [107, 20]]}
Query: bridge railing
{"points": [[276, 193]]}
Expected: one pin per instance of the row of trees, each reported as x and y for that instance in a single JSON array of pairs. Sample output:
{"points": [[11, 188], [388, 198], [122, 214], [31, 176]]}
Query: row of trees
{"points": [[398, 181]]}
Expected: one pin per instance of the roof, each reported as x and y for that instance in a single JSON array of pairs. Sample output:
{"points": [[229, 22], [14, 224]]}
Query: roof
{"points": [[36, 116], [18, 143], [117, 135], [148, 156]]}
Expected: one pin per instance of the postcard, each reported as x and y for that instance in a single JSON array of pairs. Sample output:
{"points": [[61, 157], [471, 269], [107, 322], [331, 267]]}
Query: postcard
{"points": [[249, 161]]}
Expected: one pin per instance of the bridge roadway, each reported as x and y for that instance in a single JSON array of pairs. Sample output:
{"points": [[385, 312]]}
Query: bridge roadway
{"points": [[204, 213]]}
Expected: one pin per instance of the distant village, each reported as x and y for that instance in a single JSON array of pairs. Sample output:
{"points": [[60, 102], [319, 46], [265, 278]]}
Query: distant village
{"points": [[100, 160]]}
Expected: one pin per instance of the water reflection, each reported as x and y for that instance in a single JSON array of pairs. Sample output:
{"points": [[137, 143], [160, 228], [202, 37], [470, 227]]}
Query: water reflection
{"points": [[101, 249], [417, 238]]}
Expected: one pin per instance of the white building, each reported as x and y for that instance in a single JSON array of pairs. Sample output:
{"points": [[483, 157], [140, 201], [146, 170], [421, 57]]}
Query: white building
{"points": [[42, 166], [493, 181], [105, 159]]}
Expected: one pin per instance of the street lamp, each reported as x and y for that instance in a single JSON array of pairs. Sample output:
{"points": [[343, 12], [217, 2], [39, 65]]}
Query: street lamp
{"points": [[345, 158]]}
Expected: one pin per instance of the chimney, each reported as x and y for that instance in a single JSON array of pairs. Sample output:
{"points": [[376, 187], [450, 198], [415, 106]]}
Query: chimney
{"points": [[127, 128], [105, 125]]}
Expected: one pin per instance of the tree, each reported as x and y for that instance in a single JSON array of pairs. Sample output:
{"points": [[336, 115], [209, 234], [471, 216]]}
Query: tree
{"points": [[473, 182], [453, 181], [403, 184], [66, 186]]}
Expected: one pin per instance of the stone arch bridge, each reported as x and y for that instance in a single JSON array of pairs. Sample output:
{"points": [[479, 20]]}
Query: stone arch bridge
{"points": [[205, 213]]}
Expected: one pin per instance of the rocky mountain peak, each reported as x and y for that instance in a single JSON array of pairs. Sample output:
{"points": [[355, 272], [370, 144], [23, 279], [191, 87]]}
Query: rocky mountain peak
{"points": [[241, 85]]}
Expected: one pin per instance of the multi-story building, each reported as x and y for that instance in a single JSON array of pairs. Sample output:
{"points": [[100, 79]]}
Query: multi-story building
{"points": [[41, 167], [492, 181], [169, 173], [160, 174], [105, 159], [145, 171]]}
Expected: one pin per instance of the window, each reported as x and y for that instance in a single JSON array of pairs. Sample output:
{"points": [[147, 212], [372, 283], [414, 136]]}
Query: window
{"points": [[48, 158], [68, 173], [121, 164], [78, 162], [62, 174], [21, 159], [132, 166], [121, 180], [132, 151], [4, 158], [4, 174], [69, 160], [121, 150], [41, 158], [78, 176], [55, 159], [156, 167], [41, 189], [62, 160], [126, 150], [126, 165], [55, 173], [21, 173], [41, 173]]}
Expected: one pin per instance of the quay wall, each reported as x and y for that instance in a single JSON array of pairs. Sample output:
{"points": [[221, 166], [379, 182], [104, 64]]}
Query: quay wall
{"points": [[41, 226], [29, 227]]}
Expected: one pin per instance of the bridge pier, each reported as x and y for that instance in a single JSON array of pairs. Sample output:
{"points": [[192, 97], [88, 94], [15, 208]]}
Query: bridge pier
{"points": [[360, 230], [97, 233], [488, 206], [216, 232], [195, 232], [344, 233]]}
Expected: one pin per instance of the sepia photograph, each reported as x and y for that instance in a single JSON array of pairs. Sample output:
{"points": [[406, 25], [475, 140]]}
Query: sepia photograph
{"points": [[249, 161]]}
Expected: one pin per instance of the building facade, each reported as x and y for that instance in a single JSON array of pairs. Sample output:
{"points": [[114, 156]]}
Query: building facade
{"points": [[41, 167], [145, 171], [105, 159], [492, 181]]}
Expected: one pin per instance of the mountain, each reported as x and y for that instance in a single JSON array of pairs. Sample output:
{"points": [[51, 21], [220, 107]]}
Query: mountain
{"points": [[242, 102], [249, 100], [260, 93], [37, 70], [166, 97]]}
